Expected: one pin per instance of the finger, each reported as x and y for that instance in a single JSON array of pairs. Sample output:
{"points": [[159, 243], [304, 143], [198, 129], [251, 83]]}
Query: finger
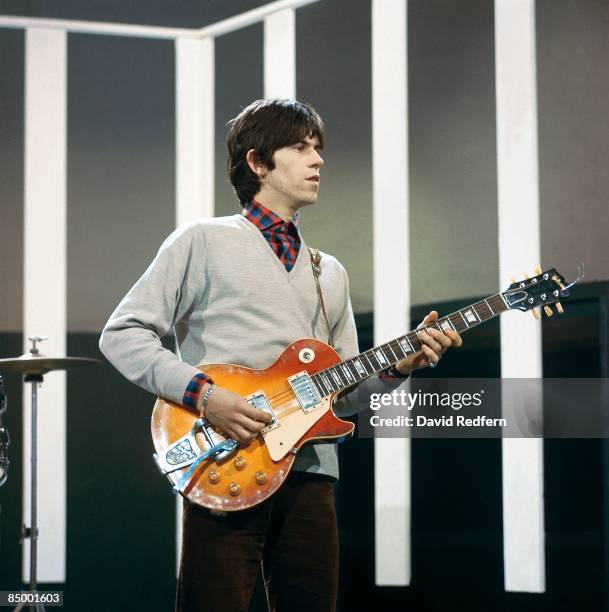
{"points": [[432, 316], [426, 339], [431, 356], [242, 435], [255, 414], [457, 342], [251, 426], [419, 360], [428, 318], [440, 337]]}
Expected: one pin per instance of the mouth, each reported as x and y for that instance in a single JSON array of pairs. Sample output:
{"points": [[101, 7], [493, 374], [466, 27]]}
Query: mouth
{"points": [[314, 179]]}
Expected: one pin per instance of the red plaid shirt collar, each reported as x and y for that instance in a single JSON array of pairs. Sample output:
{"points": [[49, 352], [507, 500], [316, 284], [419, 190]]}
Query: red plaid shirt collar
{"points": [[267, 221]]}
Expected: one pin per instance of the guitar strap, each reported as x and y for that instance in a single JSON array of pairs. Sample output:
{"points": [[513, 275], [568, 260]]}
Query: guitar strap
{"points": [[316, 265]]}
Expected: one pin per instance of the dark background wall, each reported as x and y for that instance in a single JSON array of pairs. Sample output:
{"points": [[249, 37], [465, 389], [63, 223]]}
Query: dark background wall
{"points": [[121, 205]]}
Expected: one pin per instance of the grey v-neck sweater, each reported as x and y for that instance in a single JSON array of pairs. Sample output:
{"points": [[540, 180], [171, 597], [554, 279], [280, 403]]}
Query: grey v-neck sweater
{"points": [[229, 299]]}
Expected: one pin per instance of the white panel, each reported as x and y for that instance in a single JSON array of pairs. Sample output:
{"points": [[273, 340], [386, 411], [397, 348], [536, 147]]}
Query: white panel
{"points": [[391, 298], [45, 288], [279, 55], [519, 252], [195, 105], [194, 129], [242, 20]]}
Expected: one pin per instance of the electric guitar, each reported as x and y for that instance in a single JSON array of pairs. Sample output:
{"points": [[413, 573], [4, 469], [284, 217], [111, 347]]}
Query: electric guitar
{"points": [[298, 390]]}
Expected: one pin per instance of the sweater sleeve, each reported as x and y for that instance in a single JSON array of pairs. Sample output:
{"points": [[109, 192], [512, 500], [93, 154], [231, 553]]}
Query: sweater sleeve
{"points": [[346, 344], [131, 339]]}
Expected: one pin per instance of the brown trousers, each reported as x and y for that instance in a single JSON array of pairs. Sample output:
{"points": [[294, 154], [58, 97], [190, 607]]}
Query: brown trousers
{"points": [[293, 535]]}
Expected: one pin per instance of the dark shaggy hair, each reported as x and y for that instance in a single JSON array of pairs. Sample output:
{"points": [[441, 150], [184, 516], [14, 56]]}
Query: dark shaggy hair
{"points": [[265, 126]]}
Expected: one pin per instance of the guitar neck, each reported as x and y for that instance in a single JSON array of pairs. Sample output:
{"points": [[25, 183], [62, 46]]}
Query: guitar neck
{"points": [[352, 371]]}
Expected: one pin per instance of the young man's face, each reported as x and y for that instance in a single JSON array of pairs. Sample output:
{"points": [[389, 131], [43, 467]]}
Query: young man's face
{"points": [[295, 179]]}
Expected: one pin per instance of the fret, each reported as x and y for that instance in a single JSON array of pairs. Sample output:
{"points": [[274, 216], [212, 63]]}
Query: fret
{"points": [[410, 344], [359, 366], [370, 356], [398, 345], [498, 303], [388, 345], [327, 381], [489, 307], [336, 378], [382, 358], [353, 369], [482, 311], [414, 341], [343, 379], [406, 346], [369, 363], [470, 315], [348, 373], [457, 322], [504, 301], [464, 321], [320, 385], [446, 324]]}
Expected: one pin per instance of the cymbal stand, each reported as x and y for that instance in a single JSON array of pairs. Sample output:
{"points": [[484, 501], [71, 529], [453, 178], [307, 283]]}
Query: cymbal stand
{"points": [[31, 532]]}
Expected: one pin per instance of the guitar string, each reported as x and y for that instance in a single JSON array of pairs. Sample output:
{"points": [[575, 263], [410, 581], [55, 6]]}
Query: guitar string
{"points": [[495, 299], [285, 394]]}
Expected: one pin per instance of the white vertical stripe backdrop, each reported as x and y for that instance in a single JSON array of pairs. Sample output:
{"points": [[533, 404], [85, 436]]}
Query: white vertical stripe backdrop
{"points": [[519, 252], [44, 285], [194, 162], [280, 55], [391, 300]]}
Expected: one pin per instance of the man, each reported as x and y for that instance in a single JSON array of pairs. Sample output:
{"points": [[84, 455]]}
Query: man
{"points": [[238, 289]]}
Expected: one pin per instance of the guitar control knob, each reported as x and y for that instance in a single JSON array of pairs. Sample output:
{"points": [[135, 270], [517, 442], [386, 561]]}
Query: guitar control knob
{"points": [[234, 489], [214, 477], [240, 463], [261, 478]]}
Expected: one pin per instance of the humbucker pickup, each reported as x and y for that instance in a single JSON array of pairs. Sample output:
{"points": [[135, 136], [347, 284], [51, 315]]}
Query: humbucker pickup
{"points": [[305, 391]]}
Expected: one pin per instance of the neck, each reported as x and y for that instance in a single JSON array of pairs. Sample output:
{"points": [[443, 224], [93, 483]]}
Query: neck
{"points": [[281, 208], [352, 371]]}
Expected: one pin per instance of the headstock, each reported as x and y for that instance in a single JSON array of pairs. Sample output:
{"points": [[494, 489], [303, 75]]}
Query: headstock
{"points": [[543, 289]]}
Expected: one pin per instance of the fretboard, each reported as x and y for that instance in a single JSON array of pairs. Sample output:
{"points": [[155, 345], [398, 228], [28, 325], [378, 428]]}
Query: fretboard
{"points": [[352, 371]]}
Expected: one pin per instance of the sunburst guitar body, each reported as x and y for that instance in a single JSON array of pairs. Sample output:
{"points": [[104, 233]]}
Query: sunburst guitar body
{"points": [[243, 477]]}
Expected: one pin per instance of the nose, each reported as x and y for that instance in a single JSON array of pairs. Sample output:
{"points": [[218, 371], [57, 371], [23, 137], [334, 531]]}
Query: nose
{"points": [[318, 160]]}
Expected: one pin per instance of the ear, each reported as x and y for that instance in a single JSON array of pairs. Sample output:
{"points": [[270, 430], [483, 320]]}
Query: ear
{"points": [[253, 161]]}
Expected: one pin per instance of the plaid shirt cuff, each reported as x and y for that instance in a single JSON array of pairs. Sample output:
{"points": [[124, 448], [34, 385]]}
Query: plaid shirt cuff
{"points": [[391, 373], [194, 388]]}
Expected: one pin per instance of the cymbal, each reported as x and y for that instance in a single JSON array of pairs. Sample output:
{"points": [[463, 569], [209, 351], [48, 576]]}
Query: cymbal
{"points": [[32, 363]]}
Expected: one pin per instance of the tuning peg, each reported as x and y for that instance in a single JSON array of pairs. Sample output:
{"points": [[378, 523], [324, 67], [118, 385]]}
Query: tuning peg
{"points": [[513, 280], [558, 281], [559, 308], [537, 270], [548, 310], [526, 276], [535, 313]]}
